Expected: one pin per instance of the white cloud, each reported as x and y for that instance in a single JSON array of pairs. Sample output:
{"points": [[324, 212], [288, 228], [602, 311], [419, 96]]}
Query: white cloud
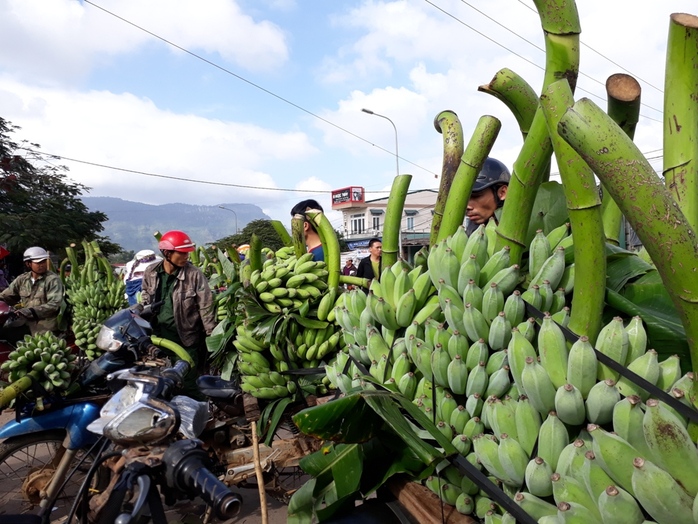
{"points": [[59, 40]]}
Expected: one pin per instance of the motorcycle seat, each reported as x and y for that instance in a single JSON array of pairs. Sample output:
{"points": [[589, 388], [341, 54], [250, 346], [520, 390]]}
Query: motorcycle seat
{"points": [[215, 387]]}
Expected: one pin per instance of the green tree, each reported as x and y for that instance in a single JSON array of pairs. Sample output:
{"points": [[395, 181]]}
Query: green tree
{"points": [[39, 205], [262, 228]]}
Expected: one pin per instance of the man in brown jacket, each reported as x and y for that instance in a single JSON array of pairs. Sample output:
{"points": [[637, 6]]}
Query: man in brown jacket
{"points": [[186, 315]]}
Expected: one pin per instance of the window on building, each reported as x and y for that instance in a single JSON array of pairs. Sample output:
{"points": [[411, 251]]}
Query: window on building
{"points": [[377, 223], [358, 224], [410, 223]]}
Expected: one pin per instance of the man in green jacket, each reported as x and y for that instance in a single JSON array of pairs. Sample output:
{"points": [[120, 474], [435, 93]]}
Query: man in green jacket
{"points": [[37, 296]]}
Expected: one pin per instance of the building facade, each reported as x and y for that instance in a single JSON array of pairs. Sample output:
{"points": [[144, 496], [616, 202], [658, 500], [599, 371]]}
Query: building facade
{"points": [[363, 219]]}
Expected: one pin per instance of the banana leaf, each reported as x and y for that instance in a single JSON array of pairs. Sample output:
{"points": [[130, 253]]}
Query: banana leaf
{"points": [[549, 210], [347, 419], [623, 266], [647, 297]]}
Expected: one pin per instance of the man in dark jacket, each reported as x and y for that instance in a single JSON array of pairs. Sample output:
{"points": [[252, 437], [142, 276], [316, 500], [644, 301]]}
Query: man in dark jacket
{"points": [[187, 314], [370, 267]]}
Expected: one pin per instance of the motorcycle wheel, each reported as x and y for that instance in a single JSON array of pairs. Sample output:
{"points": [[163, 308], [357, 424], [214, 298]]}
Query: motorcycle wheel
{"points": [[27, 463]]}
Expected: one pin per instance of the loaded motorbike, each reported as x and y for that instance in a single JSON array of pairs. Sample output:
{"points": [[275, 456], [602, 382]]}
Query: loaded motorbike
{"points": [[47, 450], [155, 452]]}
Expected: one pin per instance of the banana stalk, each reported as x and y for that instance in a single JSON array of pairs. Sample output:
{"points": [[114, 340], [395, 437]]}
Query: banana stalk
{"points": [[449, 126], [298, 232], [560, 22], [646, 203], [10, 392], [282, 232], [584, 206], [474, 156], [393, 219], [330, 244], [174, 347], [623, 93], [255, 253], [354, 281], [681, 115], [516, 94]]}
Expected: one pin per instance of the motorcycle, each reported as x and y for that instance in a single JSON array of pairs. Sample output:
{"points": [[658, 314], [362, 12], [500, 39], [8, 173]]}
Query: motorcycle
{"points": [[155, 446], [46, 454], [7, 315]]}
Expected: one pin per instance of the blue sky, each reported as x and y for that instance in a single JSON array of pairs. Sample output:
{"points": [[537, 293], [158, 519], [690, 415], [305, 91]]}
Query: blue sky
{"points": [[89, 86]]}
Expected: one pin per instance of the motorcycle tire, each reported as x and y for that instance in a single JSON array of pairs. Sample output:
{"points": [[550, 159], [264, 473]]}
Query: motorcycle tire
{"points": [[29, 455]]}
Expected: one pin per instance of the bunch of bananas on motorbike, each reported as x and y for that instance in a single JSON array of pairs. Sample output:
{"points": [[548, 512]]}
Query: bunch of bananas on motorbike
{"points": [[565, 436], [286, 326], [94, 294], [44, 355]]}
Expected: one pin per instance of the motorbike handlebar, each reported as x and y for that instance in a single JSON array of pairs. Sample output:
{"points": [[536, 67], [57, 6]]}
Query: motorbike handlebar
{"points": [[186, 470]]}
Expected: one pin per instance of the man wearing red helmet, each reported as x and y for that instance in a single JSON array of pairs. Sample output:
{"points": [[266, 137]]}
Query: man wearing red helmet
{"points": [[186, 315]]}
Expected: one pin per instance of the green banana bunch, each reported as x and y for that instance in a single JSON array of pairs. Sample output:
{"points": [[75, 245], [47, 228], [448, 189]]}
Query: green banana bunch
{"points": [[45, 354]]}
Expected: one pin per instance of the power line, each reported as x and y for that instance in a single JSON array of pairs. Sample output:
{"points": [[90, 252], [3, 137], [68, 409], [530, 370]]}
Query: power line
{"points": [[523, 57], [253, 84]]}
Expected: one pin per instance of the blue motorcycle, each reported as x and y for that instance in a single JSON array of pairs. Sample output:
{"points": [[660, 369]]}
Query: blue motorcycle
{"points": [[46, 454]]}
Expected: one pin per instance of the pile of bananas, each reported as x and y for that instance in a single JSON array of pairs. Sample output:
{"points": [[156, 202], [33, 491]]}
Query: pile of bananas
{"points": [[565, 436], [44, 354], [92, 304], [294, 331]]}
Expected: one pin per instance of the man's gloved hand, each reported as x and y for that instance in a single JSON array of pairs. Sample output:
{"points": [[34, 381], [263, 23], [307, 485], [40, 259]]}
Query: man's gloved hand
{"points": [[26, 313]]}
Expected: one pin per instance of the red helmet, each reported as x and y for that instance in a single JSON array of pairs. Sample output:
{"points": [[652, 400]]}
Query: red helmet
{"points": [[176, 241]]}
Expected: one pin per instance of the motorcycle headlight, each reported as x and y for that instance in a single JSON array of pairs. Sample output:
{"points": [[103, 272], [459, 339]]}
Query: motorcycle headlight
{"points": [[106, 339], [148, 421]]}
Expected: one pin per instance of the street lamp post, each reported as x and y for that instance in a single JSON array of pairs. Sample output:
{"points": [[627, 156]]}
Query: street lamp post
{"points": [[236, 217], [397, 164]]}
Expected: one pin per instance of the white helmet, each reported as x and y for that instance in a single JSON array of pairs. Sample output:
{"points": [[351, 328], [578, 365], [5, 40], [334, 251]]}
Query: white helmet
{"points": [[35, 254]]}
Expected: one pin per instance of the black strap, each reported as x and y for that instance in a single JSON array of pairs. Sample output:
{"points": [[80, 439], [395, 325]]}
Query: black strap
{"points": [[686, 411], [489, 487]]}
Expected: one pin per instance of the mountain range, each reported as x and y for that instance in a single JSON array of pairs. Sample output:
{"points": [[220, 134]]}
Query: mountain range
{"points": [[132, 224]]}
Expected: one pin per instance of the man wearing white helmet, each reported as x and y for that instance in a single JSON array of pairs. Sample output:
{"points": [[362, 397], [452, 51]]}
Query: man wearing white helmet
{"points": [[36, 294], [133, 275]]}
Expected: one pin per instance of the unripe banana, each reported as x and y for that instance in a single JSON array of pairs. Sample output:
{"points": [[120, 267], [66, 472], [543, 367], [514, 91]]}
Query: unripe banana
{"points": [[446, 407], [601, 401], [376, 345], [595, 478], [500, 332], [487, 452], [537, 477], [551, 270], [646, 366], [567, 280], [506, 279], [546, 292], [458, 420], [518, 349], [612, 342], [502, 417], [474, 404], [457, 345], [557, 234], [627, 423], [637, 339], [615, 455], [473, 294], [515, 308], [669, 372], [513, 459], [475, 324], [401, 366], [559, 301], [440, 361], [477, 245], [498, 383], [469, 270], [477, 380], [528, 422], [568, 489], [538, 387], [474, 427], [571, 460], [618, 506], [660, 495], [492, 302], [670, 445], [552, 439], [575, 513], [464, 504], [535, 506], [497, 360], [457, 375], [532, 296], [582, 366], [562, 317], [569, 405], [528, 329], [552, 348], [496, 263], [539, 251], [405, 309], [407, 385], [477, 352]]}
